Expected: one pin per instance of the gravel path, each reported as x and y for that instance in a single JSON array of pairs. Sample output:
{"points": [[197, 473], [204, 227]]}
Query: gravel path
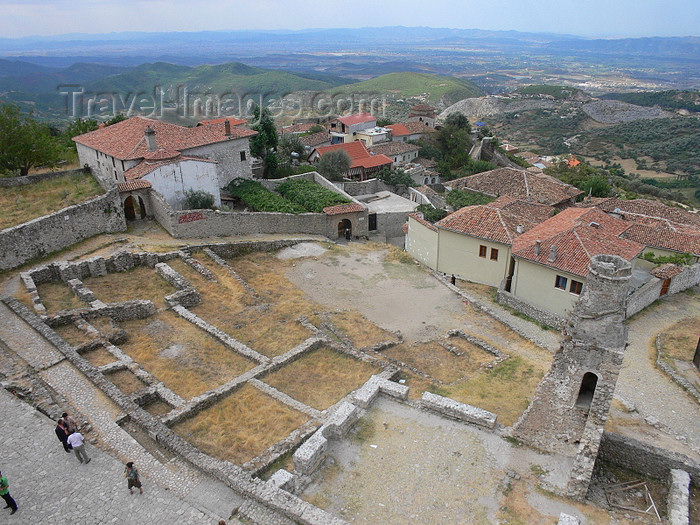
{"points": [[650, 390]]}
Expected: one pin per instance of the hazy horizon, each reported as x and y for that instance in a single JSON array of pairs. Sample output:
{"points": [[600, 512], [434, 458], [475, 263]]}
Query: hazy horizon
{"points": [[599, 19]]}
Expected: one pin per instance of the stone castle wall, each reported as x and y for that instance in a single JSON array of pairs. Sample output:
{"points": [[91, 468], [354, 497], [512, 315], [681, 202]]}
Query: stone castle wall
{"points": [[53, 232]]}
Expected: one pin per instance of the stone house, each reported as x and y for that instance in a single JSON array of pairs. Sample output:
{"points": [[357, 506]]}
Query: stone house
{"points": [[550, 261], [400, 152], [474, 243], [520, 184], [409, 131], [345, 129], [205, 157], [423, 114], [372, 136], [314, 140], [363, 163]]}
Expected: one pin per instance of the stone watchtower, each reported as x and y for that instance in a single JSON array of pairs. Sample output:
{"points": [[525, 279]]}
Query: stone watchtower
{"points": [[579, 387]]}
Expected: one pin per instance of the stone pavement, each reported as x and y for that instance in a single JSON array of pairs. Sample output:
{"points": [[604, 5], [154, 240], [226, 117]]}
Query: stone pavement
{"points": [[50, 486]]}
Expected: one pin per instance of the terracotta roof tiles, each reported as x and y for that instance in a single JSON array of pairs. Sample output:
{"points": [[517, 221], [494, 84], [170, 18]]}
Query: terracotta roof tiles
{"points": [[393, 148], [138, 184], [340, 209]]}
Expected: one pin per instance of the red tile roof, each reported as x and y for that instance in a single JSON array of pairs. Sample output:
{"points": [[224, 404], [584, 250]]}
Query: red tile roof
{"points": [[666, 271], [231, 120], [126, 141], [393, 148], [521, 184], [358, 153], [340, 209], [409, 128], [645, 207], [422, 221], [576, 237], [132, 185], [665, 235], [491, 221], [357, 118], [315, 139]]}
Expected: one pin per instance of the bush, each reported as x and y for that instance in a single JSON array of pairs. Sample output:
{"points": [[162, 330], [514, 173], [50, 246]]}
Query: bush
{"points": [[461, 198], [260, 198], [395, 177], [309, 195], [334, 164], [199, 200], [431, 214]]}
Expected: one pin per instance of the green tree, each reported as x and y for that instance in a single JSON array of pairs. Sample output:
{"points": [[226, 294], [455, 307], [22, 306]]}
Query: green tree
{"points": [[25, 143], [334, 164], [457, 121], [460, 198], [384, 122], [75, 128], [264, 144], [316, 128], [198, 199], [119, 117], [394, 177], [431, 214], [289, 144]]}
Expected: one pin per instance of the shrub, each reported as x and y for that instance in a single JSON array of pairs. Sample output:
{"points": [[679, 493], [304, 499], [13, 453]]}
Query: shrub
{"points": [[260, 198], [309, 195], [431, 214], [461, 198], [198, 199]]}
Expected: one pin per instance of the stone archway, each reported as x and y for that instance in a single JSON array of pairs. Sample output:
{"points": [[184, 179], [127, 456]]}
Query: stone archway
{"points": [[129, 209], [345, 229]]}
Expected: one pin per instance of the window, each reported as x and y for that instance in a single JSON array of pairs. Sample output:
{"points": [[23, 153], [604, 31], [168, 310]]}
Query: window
{"points": [[482, 251], [494, 254], [242, 155], [576, 287], [560, 282]]}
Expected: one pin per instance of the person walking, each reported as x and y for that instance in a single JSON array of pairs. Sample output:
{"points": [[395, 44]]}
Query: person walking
{"points": [[132, 477], [70, 424], [77, 441], [5, 494], [62, 434]]}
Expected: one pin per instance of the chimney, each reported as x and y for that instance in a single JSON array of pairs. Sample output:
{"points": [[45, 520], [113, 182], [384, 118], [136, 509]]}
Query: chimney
{"points": [[519, 228], [150, 139], [594, 225], [552, 253], [227, 127], [537, 247]]}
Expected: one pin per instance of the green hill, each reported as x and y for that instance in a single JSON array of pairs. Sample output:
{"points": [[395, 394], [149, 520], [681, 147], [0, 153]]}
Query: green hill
{"points": [[415, 84], [558, 92], [688, 100], [221, 78]]}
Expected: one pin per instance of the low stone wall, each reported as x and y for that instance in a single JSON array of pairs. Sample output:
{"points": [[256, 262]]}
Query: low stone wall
{"points": [[584, 462], [456, 410], [50, 233], [668, 369], [366, 394], [548, 318], [646, 459], [678, 505], [643, 296], [10, 182], [210, 223], [689, 277]]}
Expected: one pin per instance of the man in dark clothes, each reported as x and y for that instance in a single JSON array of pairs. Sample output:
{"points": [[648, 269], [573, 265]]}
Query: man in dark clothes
{"points": [[62, 435], [5, 494]]}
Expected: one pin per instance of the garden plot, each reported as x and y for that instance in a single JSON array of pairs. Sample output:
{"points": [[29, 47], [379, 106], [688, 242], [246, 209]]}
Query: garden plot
{"points": [[241, 426], [56, 296], [186, 359], [138, 283], [125, 381], [321, 378], [268, 325]]}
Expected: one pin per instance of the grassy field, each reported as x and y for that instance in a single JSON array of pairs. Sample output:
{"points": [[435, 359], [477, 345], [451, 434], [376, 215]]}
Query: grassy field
{"points": [[71, 334], [414, 84], [138, 283], [321, 378], [125, 381], [241, 426], [56, 296], [184, 358], [24, 203]]}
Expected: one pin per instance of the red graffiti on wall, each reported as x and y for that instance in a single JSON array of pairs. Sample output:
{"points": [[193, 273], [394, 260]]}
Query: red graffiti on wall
{"points": [[191, 217]]}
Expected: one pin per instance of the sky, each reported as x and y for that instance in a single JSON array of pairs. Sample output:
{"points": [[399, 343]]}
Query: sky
{"points": [[592, 18]]}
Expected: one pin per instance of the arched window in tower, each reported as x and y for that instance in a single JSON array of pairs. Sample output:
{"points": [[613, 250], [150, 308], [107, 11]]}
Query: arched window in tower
{"points": [[587, 390]]}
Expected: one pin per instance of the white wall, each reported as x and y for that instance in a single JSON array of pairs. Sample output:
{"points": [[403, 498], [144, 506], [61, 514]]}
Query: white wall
{"points": [[228, 157], [172, 180]]}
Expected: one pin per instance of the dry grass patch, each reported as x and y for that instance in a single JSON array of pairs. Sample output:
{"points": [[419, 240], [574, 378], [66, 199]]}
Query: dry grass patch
{"points": [[138, 283], [72, 335], [435, 360], [321, 378], [361, 332], [157, 407], [186, 359], [24, 203], [681, 340], [505, 389], [241, 426], [56, 296], [99, 357], [417, 385], [125, 381]]}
